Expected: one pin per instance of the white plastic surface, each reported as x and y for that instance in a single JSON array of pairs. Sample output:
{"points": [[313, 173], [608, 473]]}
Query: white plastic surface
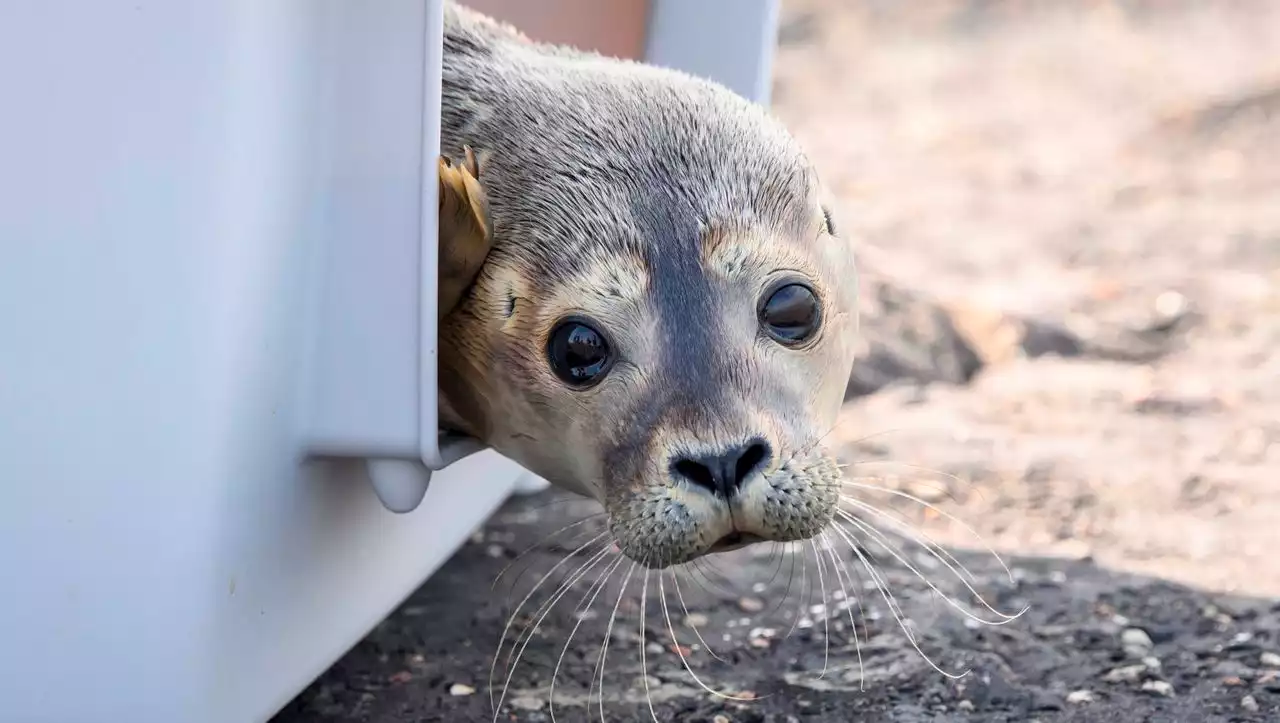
{"points": [[168, 171], [172, 176], [729, 41]]}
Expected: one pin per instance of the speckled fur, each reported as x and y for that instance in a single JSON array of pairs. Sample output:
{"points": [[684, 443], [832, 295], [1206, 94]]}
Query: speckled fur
{"points": [[660, 206]]}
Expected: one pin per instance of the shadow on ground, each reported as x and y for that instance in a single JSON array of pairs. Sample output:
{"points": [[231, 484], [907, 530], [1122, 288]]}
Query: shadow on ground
{"points": [[1093, 645]]}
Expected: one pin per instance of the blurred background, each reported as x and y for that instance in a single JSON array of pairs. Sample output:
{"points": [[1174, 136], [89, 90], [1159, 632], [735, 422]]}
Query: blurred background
{"points": [[1068, 216], [1090, 192]]}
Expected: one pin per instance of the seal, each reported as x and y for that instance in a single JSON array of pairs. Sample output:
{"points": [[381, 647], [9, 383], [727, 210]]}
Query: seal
{"points": [[644, 298]]}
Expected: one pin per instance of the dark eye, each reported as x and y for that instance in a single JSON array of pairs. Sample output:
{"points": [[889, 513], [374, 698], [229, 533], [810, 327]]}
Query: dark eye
{"points": [[579, 355], [791, 313]]}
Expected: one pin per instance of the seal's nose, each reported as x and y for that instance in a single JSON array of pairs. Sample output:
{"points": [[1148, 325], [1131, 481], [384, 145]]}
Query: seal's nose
{"points": [[724, 472]]}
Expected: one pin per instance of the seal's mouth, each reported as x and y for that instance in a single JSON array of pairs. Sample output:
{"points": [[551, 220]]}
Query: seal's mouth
{"points": [[734, 541]]}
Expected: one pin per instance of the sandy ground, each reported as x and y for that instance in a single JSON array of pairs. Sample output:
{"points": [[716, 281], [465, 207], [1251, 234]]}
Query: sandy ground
{"points": [[1069, 215]]}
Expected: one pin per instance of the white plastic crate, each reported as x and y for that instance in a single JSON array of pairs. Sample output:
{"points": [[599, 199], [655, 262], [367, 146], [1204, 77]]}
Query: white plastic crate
{"points": [[215, 265]]}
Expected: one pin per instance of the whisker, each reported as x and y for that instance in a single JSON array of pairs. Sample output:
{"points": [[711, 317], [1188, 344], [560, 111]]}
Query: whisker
{"points": [[898, 555], [594, 592], [675, 642], [534, 546], [826, 622], [675, 580], [644, 644], [883, 585], [791, 576], [805, 583], [545, 610], [511, 620], [608, 634], [942, 513], [970, 484], [848, 606]]}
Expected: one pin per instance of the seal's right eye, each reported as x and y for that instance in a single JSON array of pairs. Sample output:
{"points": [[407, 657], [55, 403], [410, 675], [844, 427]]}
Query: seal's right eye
{"points": [[579, 354]]}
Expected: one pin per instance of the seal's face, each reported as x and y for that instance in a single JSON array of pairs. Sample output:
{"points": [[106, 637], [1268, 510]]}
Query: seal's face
{"points": [[668, 328]]}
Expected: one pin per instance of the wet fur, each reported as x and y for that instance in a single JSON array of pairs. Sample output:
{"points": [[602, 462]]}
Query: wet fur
{"points": [[660, 206]]}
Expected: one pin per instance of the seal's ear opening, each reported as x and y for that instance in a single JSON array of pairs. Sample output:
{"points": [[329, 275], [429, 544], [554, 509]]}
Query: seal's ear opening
{"points": [[464, 228]]}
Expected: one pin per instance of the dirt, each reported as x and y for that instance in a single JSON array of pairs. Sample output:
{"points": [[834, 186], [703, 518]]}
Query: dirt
{"points": [[1069, 220]]}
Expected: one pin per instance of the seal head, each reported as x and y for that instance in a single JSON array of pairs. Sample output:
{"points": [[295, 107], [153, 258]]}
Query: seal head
{"points": [[666, 318]]}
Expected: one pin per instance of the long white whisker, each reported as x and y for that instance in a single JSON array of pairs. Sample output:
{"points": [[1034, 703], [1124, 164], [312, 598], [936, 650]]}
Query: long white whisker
{"points": [[848, 606], [644, 644], [608, 633], [593, 592], [676, 643], [826, 619], [943, 513], [511, 620], [898, 555], [534, 546], [804, 583], [899, 616], [547, 608], [675, 580]]}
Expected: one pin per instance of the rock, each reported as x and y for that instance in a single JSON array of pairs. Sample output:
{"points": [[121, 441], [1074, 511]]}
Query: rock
{"points": [[1249, 703], [750, 605], [965, 705], [1125, 674], [696, 620], [1077, 697], [1136, 642], [461, 689], [906, 336], [1158, 687], [1269, 660], [528, 702]]}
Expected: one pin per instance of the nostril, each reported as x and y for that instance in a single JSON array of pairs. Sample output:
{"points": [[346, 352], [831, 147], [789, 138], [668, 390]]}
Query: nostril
{"points": [[725, 472], [697, 473], [750, 460]]}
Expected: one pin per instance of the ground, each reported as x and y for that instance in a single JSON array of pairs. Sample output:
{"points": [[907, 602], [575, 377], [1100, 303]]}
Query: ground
{"points": [[1069, 220]]}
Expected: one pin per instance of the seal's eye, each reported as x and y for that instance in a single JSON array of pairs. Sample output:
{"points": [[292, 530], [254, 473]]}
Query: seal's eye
{"points": [[579, 355], [791, 313]]}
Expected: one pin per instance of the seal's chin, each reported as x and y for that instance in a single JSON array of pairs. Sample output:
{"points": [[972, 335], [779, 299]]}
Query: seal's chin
{"points": [[734, 541]]}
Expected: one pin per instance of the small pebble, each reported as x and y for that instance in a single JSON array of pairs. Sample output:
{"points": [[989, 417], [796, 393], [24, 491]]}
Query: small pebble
{"points": [[1159, 687], [655, 649], [403, 676], [696, 620], [1270, 660], [461, 689], [1136, 642], [721, 719], [1249, 703], [1152, 662], [1080, 696], [1171, 304], [751, 605], [1125, 673], [528, 702], [965, 705]]}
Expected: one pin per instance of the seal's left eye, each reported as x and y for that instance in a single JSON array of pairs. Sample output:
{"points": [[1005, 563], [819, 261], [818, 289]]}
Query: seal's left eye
{"points": [[579, 354], [791, 314]]}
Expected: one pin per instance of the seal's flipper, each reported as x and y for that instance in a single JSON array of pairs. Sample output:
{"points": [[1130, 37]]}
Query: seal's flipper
{"points": [[464, 228]]}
